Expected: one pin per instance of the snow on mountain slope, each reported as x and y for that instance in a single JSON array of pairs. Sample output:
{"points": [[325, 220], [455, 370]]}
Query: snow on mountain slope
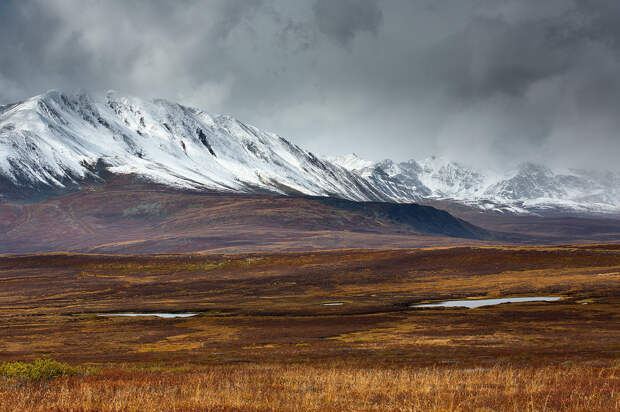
{"points": [[56, 141], [448, 179], [530, 188], [351, 162]]}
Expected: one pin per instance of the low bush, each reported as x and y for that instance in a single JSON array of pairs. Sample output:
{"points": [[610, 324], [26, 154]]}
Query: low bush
{"points": [[39, 369]]}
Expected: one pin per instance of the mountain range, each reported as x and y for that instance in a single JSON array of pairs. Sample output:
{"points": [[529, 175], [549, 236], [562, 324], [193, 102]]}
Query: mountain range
{"points": [[56, 142], [530, 188]]}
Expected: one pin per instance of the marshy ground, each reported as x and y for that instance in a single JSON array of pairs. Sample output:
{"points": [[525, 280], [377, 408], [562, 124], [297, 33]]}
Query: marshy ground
{"points": [[264, 339]]}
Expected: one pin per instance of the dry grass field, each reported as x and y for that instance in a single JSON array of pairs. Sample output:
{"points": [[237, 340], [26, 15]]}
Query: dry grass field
{"points": [[264, 340], [327, 388]]}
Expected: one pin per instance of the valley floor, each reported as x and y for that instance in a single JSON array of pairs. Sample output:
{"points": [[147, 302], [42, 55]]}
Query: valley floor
{"points": [[264, 340]]}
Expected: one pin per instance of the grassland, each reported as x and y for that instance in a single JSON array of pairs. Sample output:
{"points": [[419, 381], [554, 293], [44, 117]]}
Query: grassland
{"points": [[329, 388], [263, 340]]}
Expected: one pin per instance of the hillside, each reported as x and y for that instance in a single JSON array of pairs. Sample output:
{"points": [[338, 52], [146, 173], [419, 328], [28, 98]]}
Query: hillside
{"points": [[152, 219]]}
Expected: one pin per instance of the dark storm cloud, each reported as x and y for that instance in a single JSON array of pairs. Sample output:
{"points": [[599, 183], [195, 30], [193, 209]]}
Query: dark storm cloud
{"points": [[486, 82], [342, 19]]}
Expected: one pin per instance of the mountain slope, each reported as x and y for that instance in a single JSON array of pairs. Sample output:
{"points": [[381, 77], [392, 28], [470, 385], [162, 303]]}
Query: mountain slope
{"points": [[529, 188], [110, 218], [146, 218], [55, 141]]}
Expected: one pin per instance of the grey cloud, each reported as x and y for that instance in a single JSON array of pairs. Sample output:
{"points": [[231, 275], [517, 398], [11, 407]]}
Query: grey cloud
{"points": [[484, 82], [231, 13], [495, 56], [343, 19]]}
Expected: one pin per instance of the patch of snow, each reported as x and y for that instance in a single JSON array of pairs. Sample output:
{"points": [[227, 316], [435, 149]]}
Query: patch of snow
{"points": [[351, 162]]}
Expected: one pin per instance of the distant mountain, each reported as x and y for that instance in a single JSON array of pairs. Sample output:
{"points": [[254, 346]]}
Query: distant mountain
{"points": [[57, 142], [529, 188]]}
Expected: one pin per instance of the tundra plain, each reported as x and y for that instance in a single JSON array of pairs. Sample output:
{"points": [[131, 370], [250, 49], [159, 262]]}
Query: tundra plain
{"points": [[264, 339]]}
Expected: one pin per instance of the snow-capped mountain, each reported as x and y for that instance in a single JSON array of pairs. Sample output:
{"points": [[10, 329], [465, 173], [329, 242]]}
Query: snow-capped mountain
{"points": [[529, 188], [56, 142]]}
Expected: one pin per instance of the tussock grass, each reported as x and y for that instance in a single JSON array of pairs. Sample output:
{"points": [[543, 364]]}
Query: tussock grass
{"points": [[328, 388]]}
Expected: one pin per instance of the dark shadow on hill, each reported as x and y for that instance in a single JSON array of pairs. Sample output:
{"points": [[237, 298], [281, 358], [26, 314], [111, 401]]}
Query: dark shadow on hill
{"points": [[422, 219]]}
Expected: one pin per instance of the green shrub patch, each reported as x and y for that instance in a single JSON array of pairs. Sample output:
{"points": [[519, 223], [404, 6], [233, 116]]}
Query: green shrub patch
{"points": [[38, 370]]}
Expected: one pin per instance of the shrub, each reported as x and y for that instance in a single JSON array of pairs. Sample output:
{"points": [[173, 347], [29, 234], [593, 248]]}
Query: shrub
{"points": [[39, 369]]}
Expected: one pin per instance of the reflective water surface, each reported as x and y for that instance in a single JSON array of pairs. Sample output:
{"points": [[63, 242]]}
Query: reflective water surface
{"points": [[485, 302], [159, 315]]}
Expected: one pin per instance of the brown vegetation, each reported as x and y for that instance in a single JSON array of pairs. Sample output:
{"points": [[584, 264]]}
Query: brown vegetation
{"points": [[139, 219], [109, 219], [326, 388], [264, 341]]}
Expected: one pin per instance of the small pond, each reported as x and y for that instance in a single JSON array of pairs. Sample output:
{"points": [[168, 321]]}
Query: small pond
{"points": [[159, 315], [485, 302]]}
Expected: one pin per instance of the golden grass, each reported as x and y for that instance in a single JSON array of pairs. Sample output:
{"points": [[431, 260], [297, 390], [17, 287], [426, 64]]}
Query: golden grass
{"points": [[329, 388]]}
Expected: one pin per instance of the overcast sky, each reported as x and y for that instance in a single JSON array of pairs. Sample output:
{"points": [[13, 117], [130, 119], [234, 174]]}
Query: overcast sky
{"points": [[485, 82]]}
